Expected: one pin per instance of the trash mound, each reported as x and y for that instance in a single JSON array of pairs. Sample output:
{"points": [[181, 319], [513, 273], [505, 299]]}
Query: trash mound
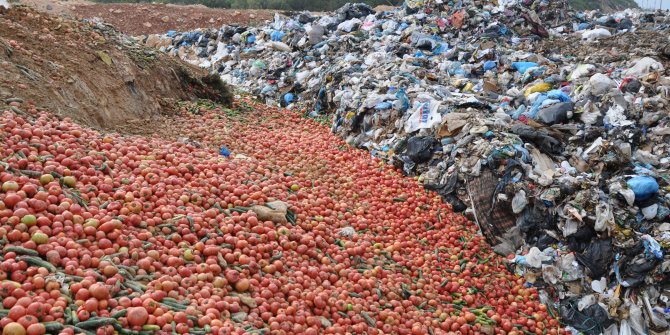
{"points": [[237, 228], [90, 72], [549, 128]]}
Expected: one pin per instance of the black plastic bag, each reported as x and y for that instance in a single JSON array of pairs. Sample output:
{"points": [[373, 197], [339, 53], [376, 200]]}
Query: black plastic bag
{"points": [[420, 148], [592, 320], [597, 258], [545, 240], [534, 219], [446, 191], [580, 240], [556, 113], [636, 270], [354, 10], [540, 137]]}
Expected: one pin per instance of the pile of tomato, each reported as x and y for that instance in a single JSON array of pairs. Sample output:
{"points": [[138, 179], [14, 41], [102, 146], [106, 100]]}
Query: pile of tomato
{"points": [[103, 233]]}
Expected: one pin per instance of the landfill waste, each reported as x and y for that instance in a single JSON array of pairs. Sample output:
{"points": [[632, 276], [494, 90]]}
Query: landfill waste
{"points": [[549, 128]]}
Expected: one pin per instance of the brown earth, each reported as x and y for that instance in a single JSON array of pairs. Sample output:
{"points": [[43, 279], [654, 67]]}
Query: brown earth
{"points": [[139, 19], [90, 72]]}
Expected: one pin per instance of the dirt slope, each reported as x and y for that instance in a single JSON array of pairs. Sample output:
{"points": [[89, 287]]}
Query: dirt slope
{"points": [[87, 71]]}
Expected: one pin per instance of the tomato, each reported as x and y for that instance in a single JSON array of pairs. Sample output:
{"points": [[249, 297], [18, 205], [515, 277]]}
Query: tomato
{"points": [[36, 329], [14, 328], [296, 232], [137, 316]]}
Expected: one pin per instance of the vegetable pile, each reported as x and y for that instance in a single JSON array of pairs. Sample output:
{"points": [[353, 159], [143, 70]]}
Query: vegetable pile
{"points": [[294, 232]]}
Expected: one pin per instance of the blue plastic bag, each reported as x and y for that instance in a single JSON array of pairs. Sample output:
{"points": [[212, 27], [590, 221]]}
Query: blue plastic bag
{"points": [[224, 151], [403, 100], [522, 67], [651, 247], [558, 95], [644, 187], [489, 65], [288, 98], [277, 35], [383, 105]]}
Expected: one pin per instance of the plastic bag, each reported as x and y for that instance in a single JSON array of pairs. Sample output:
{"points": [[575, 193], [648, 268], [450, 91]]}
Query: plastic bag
{"points": [[420, 148], [519, 202], [277, 35], [489, 65], [349, 25], [581, 71], [522, 67], [224, 151], [636, 320], [556, 113], [601, 84], [643, 67], [604, 217], [595, 34], [402, 104], [593, 320], [541, 87], [644, 187], [597, 257], [425, 116], [280, 46], [651, 247]]}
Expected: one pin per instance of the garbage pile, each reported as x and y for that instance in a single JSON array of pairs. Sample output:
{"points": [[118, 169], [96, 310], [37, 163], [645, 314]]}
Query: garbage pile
{"points": [[549, 128]]}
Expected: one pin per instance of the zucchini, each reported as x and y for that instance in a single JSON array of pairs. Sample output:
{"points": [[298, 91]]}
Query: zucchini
{"points": [[94, 323], [21, 251]]}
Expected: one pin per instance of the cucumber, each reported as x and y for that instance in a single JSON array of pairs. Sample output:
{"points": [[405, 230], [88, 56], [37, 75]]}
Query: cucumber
{"points": [[120, 314], [74, 318], [134, 286], [171, 300], [67, 315], [94, 323], [151, 327], [21, 251], [173, 308], [35, 261], [53, 327], [78, 330]]}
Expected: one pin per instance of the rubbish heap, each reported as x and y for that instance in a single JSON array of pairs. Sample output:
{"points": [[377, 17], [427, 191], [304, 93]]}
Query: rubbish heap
{"points": [[549, 128]]}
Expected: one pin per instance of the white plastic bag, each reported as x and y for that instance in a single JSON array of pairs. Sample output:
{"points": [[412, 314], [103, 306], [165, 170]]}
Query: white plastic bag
{"points": [[595, 34], [604, 217], [636, 320], [581, 71], [280, 46], [519, 202], [425, 116], [601, 84], [349, 25], [643, 67]]}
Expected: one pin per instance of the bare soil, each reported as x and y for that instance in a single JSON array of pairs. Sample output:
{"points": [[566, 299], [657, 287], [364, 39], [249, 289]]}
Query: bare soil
{"points": [[88, 72], [139, 19]]}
